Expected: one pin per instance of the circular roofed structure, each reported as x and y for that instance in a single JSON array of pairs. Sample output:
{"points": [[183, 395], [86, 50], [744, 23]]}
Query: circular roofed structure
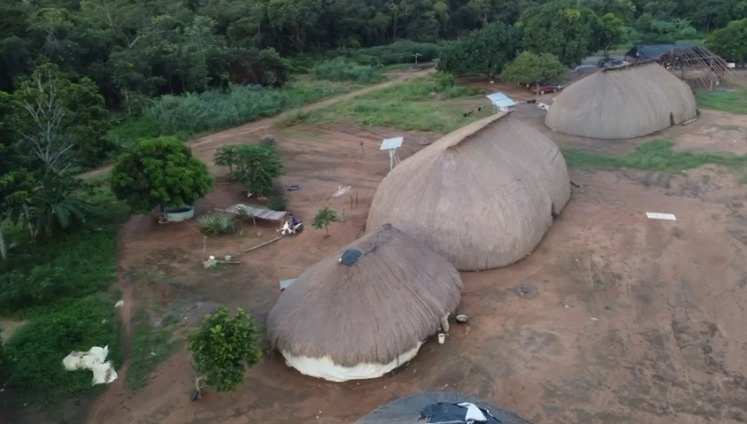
{"points": [[623, 102], [483, 196], [366, 310]]}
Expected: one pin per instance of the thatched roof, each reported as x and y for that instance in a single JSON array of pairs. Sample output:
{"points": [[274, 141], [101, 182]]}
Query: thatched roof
{"points": [[481, 196], [371, 311], [407, 410], [625, 102]]}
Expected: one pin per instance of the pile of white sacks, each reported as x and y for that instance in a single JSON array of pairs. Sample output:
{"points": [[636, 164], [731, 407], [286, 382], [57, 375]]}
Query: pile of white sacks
{"points": [[95, 360]]}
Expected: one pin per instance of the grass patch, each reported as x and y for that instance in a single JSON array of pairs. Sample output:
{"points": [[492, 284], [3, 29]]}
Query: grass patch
{"points": [[216, 224], [734, 101], [188, 115], [419, 105], [655, 155], [73, 265], [151, 345], [341, 69], [37, 349]]}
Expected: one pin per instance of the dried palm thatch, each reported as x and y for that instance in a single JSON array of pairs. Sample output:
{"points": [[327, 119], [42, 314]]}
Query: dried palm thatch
{"points": [[482, 196], [623, 102], [385, 303]]}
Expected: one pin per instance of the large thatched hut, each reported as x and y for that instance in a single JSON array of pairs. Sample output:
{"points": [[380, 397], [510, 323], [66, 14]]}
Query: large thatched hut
{"points": [[482, 196], [364, 312], [623, 102]]}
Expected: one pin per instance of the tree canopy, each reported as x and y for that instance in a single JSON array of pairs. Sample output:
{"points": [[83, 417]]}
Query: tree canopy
{"points": [[253, 165], [224, 347], [731, 41], [531, 68], [159, 172]]}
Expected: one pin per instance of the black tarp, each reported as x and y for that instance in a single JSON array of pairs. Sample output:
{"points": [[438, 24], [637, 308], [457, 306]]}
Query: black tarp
{"points": [[407, 410], [452, 413]]}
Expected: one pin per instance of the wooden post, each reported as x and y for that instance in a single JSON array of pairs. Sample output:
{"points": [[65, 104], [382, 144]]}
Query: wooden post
{"points": [[343, 215]]}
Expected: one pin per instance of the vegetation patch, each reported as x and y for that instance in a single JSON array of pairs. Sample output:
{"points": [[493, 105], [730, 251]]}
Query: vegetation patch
{"points": [[419, 105], [734, 101], [217, 224], [184, 116], [399, 52], [655, 155], [151, 345], [36, 350], [341, 69]]}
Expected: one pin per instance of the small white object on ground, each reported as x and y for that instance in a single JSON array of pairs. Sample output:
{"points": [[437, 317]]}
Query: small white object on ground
{"points": [[662, 216], [119, 303]]}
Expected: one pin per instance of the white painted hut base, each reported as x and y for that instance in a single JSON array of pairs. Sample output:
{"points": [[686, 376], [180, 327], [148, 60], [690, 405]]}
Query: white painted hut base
{"points": [[328, 370]]}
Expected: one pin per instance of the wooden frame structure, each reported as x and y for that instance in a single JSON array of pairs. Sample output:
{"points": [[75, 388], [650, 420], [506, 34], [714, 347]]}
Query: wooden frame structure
{"points": [[696, 65]]}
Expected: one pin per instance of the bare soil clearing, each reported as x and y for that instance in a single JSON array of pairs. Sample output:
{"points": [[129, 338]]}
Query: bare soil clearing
{"points": [[633, 320]]}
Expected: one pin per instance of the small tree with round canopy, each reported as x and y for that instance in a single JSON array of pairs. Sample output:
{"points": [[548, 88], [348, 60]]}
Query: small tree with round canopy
{"points": [[159, 172]]}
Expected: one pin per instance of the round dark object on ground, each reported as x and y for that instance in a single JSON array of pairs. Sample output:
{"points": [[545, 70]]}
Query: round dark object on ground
{"points": [[407, 410], [294, 187], [462, 318], [195, 395]]}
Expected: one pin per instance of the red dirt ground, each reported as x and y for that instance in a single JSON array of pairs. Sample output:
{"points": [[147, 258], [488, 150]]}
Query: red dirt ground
{"points": [[634, 320]]}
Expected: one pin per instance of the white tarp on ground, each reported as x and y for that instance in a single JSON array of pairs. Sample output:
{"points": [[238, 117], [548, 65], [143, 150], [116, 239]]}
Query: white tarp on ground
{"points": [[95, 360], [328, 370]]}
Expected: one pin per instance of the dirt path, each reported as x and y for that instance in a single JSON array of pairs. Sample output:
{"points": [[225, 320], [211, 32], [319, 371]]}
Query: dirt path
{"points": [[215, 140]]}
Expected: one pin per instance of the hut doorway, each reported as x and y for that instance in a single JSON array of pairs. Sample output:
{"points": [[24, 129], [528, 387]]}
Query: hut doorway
{"points": [[671, 119]]}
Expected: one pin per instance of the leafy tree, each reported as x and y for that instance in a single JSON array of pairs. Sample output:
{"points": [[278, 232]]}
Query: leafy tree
{"points": [[159, 172], [255, 166], [485, 50], [531, 68], [69, 114], [610, 32], [560, 27], [49, 129], [323, 218], [731, 41], [224, 347]]}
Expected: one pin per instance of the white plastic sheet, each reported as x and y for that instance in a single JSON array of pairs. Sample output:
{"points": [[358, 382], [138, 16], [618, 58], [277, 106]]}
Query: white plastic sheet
{"points": [[94, 360]]}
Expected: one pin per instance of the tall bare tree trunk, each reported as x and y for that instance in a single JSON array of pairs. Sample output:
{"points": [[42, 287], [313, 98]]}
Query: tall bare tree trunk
{"points": [[3, 247]]}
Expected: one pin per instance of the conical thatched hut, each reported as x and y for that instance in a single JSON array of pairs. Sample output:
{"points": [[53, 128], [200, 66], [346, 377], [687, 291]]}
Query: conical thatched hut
{"points": [[366, 311], [482, 196], [623, 102]]}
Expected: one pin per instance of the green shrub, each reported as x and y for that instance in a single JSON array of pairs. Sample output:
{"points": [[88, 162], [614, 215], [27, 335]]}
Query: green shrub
{"points": [[78, 265], [269, 142], [292, 119], [401, 51], [216, 224], [276, 199], [341, 69], [36, 350]]}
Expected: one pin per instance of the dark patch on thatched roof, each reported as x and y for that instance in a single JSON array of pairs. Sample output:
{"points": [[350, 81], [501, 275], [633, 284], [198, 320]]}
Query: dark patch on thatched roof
{"points": [[350, 256], [383, 306], [482, 196], [628, 102], [407, 410]]}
